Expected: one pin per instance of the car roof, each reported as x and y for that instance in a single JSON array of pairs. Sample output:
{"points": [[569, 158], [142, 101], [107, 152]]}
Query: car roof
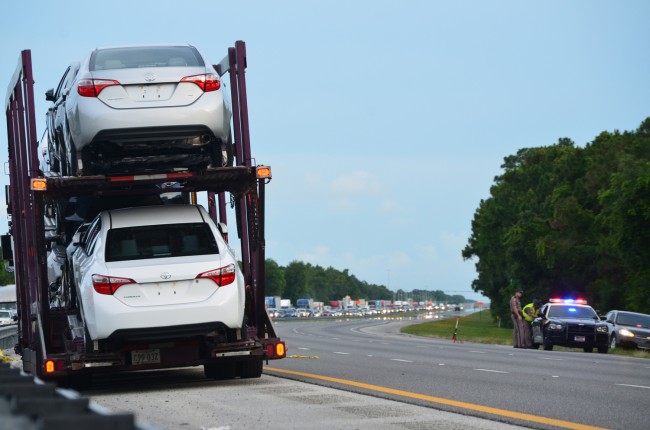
{"points": [[629, 313], [144, 45], [154, 215]]}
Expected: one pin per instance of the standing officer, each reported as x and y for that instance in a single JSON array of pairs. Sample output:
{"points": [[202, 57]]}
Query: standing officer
{"points": [[521, 335], [530, 312]]}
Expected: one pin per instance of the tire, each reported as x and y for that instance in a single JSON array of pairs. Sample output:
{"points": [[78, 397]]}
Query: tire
{"points": [[220, 371], [80, 382], [603, 349], [612, 341], [69, 158], [250, 368], [228, 153], [222, 153], [588, 349], [536, 346]]}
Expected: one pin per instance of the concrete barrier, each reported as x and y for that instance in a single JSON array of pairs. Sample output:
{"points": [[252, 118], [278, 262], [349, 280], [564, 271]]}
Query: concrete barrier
{"points": [[8, 336]]}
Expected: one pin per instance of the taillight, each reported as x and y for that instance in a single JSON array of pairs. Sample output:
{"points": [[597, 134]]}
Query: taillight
{"points": [[109, 284], [223, 276], [207, 82], [92, 87], [52, 366]]}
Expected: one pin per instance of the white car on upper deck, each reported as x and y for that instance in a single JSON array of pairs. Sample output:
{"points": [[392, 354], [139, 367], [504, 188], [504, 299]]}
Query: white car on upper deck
{"points": [[138, 109]]}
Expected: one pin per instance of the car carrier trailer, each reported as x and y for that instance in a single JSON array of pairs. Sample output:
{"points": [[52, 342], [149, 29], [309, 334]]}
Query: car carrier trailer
{"points": [[51, 337]]}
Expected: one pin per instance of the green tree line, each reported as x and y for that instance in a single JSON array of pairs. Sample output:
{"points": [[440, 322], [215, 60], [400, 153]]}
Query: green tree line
{"points": [[563, 220], [300, 280], [6, 278]]}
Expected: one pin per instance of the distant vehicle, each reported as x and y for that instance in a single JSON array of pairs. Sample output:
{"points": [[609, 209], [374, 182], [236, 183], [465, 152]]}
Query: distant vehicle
{"points": [[273, 313], [570, 323], [7, 317], [138, 109], [629, 329], [135, 267], [302, 313]]}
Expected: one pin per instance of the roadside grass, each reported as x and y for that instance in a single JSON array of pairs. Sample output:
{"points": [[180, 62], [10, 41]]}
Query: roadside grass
{"points": [[476, 327], [479, 327]]}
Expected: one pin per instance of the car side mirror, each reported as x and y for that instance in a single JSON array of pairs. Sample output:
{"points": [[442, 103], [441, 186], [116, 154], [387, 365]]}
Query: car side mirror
{"points": [[223, 229], [49, 95]]}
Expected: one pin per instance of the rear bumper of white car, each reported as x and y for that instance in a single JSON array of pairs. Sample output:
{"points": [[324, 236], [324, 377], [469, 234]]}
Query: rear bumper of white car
{"points": [[93, 116], [115, 319]]}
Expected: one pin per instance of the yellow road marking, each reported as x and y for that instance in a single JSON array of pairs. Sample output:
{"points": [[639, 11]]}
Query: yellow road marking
{"points": [[443, 401]]}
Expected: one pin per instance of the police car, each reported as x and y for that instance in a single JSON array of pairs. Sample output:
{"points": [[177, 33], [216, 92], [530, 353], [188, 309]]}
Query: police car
{"points": [[570, 323]]}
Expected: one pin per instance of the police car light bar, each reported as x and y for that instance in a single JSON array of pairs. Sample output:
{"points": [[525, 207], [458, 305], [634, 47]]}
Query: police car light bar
{"points": [[569, 301]]}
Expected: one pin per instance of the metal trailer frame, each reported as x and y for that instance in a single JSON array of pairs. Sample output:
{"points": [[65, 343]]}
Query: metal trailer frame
{"points": [[26, 210]]}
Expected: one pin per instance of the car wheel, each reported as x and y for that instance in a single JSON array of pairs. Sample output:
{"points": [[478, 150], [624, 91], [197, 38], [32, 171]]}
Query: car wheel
{"points": [[228, 153], [612, 341], [603, 349], [536, 346], [588, 349], [221, 153], [69, 158]]}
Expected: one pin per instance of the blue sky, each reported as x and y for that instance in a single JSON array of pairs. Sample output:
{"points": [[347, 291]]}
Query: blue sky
{"points": [[384, 122]]}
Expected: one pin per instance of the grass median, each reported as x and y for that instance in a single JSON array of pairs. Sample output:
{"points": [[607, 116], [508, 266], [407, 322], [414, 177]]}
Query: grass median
{"points": [[479, 327], [476, 327]]}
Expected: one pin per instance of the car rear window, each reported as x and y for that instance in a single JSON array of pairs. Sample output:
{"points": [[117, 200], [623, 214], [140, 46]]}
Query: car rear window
{"points": [[160, 241], [148, 56]]}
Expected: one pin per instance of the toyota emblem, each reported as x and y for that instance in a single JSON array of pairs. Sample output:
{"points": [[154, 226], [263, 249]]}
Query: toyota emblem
{"points": [[149, 77], [165, 275]]}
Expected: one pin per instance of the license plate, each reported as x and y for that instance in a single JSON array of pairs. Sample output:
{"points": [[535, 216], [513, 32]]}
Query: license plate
{"points": [[579, 338], [145, 356]]}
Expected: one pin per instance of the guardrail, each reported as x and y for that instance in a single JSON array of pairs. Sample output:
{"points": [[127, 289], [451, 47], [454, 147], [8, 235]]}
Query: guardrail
{"points": [[8, 336]]}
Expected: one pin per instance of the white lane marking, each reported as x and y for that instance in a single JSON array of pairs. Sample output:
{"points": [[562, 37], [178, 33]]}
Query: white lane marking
{"points": [[371, 356], [343, 353], [548, 358], [306, 349], [633, 386], [422, 346], [441, 364], [491, 371], [478, 352], [403, 361], [554, 376]]}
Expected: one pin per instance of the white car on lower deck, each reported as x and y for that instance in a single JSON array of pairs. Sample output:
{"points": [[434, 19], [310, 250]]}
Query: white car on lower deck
{"points": [[156, 272]]}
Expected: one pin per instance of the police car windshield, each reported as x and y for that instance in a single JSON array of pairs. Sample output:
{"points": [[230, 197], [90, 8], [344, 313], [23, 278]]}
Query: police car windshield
{"points": [[572, 311]]}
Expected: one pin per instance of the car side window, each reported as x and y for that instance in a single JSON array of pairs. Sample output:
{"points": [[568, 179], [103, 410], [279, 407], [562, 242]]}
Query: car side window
{"points": [[70, 76], [91, 235], [60, 87]]}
